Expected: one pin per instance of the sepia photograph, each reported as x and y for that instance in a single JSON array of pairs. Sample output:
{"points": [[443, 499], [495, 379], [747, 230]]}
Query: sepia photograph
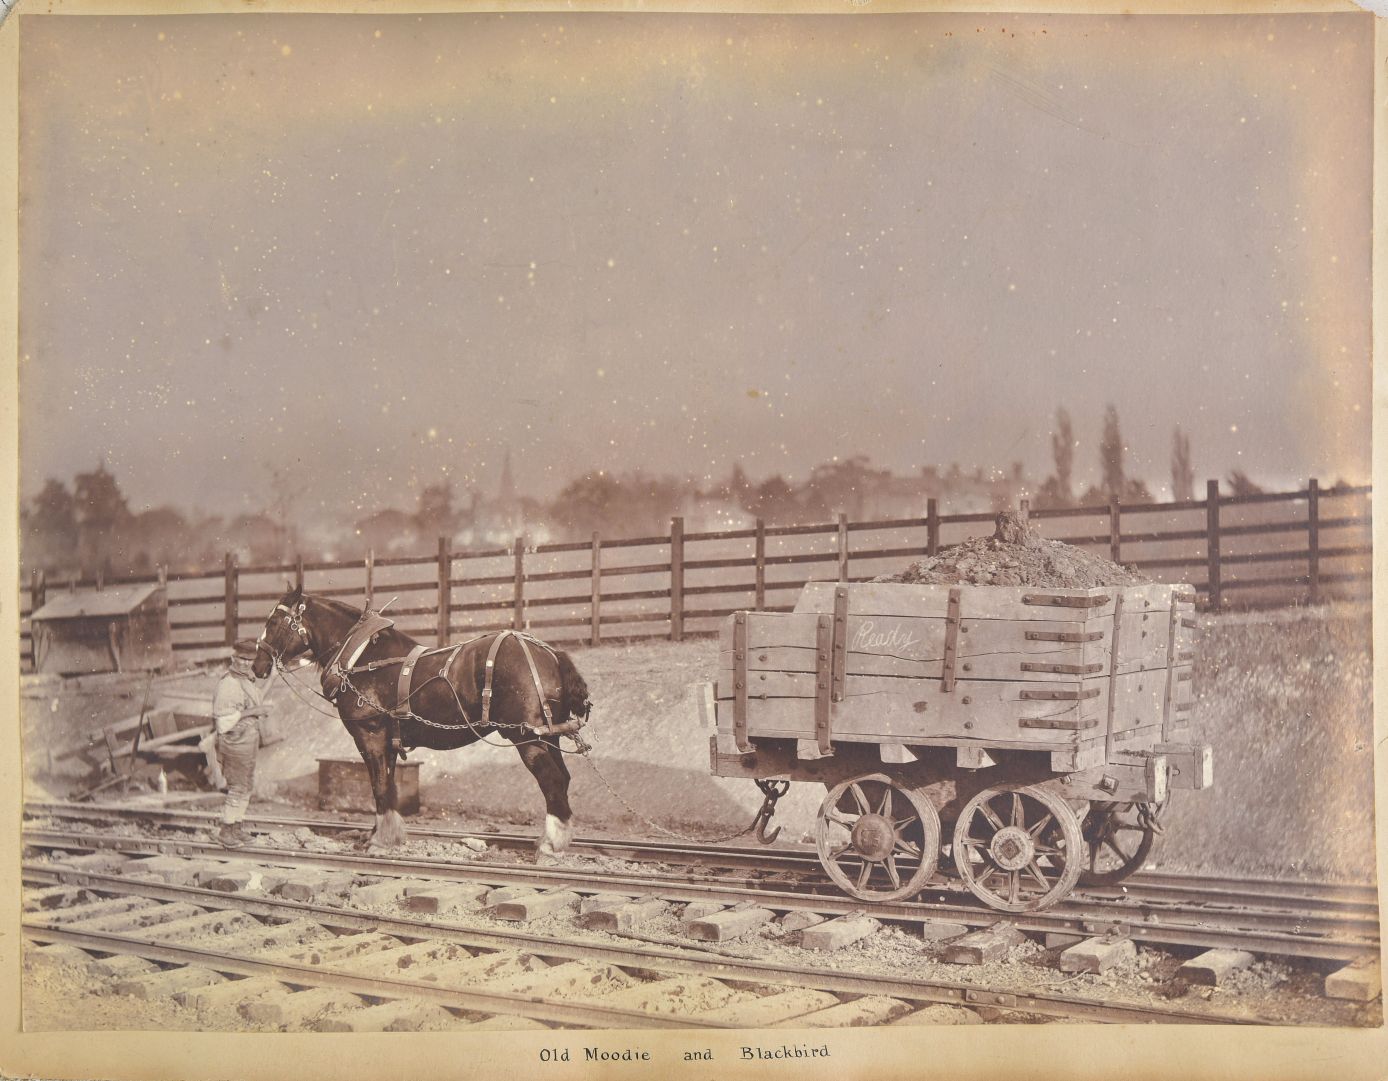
{"points": [[633, 543]]}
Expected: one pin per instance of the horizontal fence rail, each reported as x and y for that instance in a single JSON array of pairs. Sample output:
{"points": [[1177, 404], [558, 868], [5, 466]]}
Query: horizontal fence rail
{"points": [[1260, 550]]}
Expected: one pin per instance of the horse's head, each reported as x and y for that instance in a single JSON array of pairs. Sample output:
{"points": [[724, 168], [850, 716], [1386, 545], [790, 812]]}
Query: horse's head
{"points": [[284, 636]]}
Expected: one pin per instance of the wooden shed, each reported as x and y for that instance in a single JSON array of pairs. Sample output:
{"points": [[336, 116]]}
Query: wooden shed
{"points": [[116, 629]]}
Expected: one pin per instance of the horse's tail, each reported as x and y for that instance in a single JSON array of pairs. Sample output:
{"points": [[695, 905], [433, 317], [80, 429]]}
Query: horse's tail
{"points": [[573, 691]]}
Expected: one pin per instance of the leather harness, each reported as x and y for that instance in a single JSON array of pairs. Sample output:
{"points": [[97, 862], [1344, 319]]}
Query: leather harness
{"points": [[336, 673]]}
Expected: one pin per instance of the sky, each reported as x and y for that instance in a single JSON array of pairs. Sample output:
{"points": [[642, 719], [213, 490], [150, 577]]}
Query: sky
{"points": [[376, 252]]}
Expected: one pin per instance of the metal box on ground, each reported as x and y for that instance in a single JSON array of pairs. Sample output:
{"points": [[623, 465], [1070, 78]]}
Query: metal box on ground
{"points": [[344, 785]]}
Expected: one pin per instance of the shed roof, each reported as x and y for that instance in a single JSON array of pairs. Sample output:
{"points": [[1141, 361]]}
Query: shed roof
{"points": [[111, 601]]}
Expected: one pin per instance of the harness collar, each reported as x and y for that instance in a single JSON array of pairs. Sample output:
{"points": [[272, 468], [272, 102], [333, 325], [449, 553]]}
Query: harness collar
{"points": [[358, 638]]}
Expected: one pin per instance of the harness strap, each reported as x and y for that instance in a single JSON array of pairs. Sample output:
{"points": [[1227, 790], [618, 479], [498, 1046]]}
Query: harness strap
{"points": [[521, 639], [402, 684]]}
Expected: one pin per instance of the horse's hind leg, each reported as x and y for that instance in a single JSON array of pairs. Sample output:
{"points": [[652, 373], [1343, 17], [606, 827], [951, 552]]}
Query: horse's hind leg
{"points": [[546, 764], [380, 757]]}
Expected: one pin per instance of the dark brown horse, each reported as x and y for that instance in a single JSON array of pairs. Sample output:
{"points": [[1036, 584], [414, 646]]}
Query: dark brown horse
{"points": [[442, 708]]}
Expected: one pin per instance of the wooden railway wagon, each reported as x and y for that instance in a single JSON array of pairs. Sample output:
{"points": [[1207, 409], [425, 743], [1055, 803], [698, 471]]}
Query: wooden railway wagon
{"points": [[1035, 732]]}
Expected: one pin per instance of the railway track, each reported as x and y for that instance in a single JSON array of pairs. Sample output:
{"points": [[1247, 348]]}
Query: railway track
{"points": [[1350, 899], [1309, 921], [334, 967]]}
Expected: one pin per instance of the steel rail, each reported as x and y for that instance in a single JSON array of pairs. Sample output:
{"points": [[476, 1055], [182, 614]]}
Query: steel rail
{"points": [[720, 966], [1153, 885], [493, 1002], [1110, 905], [1206, 928]]}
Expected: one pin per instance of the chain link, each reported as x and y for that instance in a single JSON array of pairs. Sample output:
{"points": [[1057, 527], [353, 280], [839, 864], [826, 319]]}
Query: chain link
{"points": [[663, 829]]}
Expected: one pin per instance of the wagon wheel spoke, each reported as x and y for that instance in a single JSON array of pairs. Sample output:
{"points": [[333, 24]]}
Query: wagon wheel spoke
{"points": [[907, 854], [1036, 829], [1035, 818], [1110, 843]]}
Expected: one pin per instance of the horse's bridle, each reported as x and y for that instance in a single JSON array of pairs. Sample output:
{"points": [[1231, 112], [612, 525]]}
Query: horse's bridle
{"points": [[294, 619]]}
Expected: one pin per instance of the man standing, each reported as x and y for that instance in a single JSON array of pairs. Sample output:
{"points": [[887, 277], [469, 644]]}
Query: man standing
{"points": [[236, 708]]}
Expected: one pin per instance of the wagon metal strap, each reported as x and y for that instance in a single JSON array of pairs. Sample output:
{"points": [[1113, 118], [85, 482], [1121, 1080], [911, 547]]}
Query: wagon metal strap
{"points": [[1061, 600], [1113, 672], [951, 642], [1170, 670], [1063, 669], [1064, 636], [840, 651], [1069, 724], [1034, 695], [740, 683], [823, 698]]}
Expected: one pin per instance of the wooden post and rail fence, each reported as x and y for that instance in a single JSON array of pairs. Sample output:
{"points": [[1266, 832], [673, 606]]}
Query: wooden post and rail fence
{"points": [[1216, 544]]}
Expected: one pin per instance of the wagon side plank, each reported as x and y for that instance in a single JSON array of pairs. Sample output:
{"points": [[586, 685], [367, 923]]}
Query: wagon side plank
{"points": [[984, 648], [984, 602], [902, 709]]}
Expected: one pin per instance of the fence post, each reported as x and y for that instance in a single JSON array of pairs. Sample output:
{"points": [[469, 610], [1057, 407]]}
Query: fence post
{"points": [[932, 527], [1216, 599], [518, 609], [445, 588], [1115, 533], [595, 630], [38, 590], [233, 616], [676, 579], [370, 575], [843, 547], [299, 572], [761, 565], [1313, 540]]}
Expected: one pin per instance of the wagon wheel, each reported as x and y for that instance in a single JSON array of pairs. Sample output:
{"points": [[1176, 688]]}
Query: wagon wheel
{"points": [[878, 840], [1120, 838], [1018, 849]]}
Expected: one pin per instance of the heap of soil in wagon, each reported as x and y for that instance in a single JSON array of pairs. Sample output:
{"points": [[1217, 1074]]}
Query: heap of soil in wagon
{"points": [[1015, 555]]}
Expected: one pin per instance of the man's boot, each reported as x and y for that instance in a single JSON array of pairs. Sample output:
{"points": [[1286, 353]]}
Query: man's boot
{"points": [[230, 836]]}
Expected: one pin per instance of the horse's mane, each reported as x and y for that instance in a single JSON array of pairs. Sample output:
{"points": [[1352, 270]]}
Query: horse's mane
{"points": [[354, 613]]}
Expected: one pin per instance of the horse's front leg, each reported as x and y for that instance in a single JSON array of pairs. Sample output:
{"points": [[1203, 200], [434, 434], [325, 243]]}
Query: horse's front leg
{"points": [[379, 756]]}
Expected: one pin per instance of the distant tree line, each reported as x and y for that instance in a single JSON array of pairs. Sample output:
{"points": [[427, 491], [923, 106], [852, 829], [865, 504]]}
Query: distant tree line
{"points": [[88, 526]]}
